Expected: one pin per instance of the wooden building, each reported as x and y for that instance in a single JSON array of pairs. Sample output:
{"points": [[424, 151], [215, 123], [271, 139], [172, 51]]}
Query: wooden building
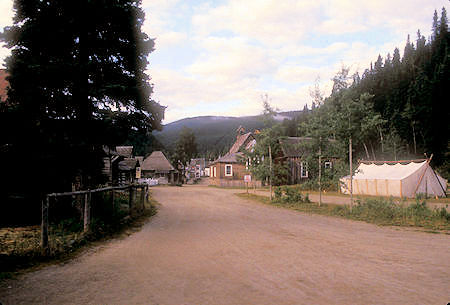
{"points": [[120, 165], [156, 166], [229, 170], [295, 150]]}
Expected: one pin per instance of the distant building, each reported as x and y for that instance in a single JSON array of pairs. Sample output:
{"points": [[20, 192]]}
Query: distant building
{"points": [[157, 166], [229, 170], [196, 168], [294, 151]]}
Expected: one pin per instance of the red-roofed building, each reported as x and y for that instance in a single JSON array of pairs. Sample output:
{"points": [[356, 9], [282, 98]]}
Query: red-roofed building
{"points": [[3, 85]]}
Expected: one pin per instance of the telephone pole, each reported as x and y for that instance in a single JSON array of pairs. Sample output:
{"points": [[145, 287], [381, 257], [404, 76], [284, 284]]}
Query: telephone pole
{"points": [[270, 172]]}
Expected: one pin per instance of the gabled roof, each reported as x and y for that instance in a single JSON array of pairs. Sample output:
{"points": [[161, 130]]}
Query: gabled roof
{"points": [[297, 146], [3, 85], [140, 159], [125, 151], [240, 141], [230, 158], [157, 162], [294, 146], [128, 164]]}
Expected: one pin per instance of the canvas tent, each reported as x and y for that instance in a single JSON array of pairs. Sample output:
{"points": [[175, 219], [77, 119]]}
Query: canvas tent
{"points": [[399, 179]]}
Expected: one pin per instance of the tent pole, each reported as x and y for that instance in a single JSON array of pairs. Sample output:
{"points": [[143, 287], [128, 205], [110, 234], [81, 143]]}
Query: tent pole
{"points": [[423, 174], [445, 193]]}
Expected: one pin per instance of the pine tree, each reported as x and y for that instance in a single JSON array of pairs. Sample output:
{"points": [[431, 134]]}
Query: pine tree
{"points": [[78, 82]]}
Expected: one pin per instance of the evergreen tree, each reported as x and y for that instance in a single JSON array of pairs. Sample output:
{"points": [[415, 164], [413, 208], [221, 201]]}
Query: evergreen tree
{"points": [[77, 82], [186, 147]]}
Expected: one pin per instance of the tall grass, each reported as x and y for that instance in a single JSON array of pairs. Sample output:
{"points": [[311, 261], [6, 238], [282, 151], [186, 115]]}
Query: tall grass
{"points": [[380, 211]]}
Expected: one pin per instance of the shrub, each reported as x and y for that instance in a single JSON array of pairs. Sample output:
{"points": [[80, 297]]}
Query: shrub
{"points": [[278, 193], [293, 195], [306, 200]]}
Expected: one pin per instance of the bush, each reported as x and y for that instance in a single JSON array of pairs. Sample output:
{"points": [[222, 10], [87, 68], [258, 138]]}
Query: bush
{"points": [[278, 193], [286, 194], [292, 195]]}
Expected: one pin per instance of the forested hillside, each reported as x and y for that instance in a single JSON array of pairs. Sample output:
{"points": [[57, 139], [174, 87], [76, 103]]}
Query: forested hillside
{"points": [[398, 108], [215, 134]]}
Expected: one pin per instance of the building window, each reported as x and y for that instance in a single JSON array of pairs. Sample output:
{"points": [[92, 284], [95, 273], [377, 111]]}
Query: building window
{"points": [[214, 172], [228, 170], [328, 165], [304, 169]]}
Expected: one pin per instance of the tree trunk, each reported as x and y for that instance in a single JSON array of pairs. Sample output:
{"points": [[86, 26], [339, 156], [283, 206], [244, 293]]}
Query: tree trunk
{"points": [[367, 151], [414, 138], [381, 140], [373, 152]]}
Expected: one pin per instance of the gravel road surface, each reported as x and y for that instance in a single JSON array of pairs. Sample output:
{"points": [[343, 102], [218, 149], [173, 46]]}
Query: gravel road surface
{"points": [[207, 246]]}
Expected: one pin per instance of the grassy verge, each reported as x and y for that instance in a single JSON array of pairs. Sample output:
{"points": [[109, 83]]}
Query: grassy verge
{"points": [[378, 211], [20, 247], [362, 197]]}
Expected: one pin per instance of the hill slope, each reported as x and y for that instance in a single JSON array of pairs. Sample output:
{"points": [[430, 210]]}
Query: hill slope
{"points": [[213, 133]]}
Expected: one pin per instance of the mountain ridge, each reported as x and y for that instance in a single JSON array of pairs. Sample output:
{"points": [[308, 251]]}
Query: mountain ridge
{"points": [[214, 134]]}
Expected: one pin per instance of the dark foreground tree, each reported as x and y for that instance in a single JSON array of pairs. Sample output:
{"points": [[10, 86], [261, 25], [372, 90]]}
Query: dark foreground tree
{"points": [[77, 82]]}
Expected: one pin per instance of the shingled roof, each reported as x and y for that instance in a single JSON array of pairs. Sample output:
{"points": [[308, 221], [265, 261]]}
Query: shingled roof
{"points": [[128, 164], [292, 146], [240, 141], [297, 146], [125, 151], [157, 162]]}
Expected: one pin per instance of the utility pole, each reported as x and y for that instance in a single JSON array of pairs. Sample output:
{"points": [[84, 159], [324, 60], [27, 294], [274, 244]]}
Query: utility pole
{"points": [[270, 172], [351, 172], [320, 171]]}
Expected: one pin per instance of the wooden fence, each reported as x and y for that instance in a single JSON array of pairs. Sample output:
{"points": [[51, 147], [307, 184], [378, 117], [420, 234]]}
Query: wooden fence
{"points": [[133, 209]]}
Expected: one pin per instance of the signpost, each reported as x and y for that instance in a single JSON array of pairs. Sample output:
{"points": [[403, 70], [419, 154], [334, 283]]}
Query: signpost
{"points": [[247, 179], [138, 173]]}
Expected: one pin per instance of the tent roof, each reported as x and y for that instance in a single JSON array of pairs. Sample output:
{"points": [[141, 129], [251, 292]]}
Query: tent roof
{"points": [[157, 162], [396, 171]]}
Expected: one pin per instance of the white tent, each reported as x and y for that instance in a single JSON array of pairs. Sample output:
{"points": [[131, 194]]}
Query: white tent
{"points": [[395, 179]]}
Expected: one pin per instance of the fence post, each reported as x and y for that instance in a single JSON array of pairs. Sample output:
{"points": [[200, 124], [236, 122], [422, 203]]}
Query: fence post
{"points": [[142, 199], [112, 200], [130, 200], [44, 226], [87, 211]]}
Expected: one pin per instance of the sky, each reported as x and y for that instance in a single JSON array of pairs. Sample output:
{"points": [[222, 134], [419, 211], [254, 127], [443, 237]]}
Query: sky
{"points": [[219, 57]]}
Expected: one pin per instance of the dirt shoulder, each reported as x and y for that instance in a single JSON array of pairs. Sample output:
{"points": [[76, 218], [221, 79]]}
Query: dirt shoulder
{"points": [[207, 246]]}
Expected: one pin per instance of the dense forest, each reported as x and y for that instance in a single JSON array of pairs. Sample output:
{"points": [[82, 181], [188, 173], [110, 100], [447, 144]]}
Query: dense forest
{"points": [[396, 110]]}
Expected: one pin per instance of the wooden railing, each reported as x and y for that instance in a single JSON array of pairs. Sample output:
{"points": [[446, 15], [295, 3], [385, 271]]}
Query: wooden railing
{"points": [[139, 208]]}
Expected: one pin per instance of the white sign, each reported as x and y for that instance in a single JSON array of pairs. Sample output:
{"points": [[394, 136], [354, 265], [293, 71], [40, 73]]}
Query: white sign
{"points": [[247, 178]]}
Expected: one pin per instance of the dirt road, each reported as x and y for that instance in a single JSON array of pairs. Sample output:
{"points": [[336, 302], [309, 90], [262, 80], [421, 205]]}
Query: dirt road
{"points": [[207, 246]]}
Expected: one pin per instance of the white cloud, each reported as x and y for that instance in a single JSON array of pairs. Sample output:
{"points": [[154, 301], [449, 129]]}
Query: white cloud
{"points": [[169, 39], [270, 22], [231, 59]]}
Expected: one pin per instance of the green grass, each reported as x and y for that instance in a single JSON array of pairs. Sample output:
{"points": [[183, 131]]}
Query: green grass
{"points": [[378, 211]]}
